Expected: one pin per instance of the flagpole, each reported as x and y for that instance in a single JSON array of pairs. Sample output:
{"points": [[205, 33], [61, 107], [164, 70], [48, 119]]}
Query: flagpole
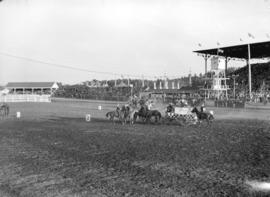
{"points": [[225, 75], [249, 72]]}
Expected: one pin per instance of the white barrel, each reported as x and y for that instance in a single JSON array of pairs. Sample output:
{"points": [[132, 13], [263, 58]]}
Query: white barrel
{"points": [[88, 117], [18, 114], [99, 107]]}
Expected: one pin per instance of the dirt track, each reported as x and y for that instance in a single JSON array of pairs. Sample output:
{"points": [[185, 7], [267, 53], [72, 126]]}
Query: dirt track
{"points": [[52, 151]]}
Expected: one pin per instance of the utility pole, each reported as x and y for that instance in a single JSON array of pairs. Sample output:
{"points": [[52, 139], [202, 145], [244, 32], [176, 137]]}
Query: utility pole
{"points": [[234, 77], [205, 64]]}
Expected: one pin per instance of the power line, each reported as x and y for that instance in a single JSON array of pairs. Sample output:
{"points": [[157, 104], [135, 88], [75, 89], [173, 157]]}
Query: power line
{"points": [[75, 67], [64, 66]]}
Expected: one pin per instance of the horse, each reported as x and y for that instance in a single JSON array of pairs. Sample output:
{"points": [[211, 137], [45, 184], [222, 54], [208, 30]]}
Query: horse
{"points": [[113, 114], [130, 115], [153, 113], [147, 114], [4, 110], [142, 113], [123, 114], [208, 116]]}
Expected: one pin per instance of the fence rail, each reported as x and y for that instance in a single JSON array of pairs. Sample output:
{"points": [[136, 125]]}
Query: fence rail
{"points": [[25, 98]]}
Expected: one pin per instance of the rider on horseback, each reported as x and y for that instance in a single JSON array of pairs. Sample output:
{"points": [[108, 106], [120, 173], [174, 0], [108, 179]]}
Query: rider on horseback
{"points": [[203, 108], [118, 107], [170, 110]]}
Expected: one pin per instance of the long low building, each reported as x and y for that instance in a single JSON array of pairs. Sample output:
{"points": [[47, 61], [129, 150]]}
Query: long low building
{"points": [[40, 88]]}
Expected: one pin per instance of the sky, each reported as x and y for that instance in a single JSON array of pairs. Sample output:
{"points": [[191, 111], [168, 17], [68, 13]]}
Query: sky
{"points": [[120, 38]]}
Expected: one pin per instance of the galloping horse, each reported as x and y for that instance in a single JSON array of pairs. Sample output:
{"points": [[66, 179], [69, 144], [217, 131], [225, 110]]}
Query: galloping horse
{"points": [[208, 116], [153, 113], [141, 113], [147, 114], [4, 110]]}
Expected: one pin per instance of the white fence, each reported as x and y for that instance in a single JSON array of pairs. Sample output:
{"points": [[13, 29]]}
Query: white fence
{"points": [[25, 98]]}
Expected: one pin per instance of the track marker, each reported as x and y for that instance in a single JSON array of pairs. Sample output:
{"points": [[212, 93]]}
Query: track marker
{"points": [[88, 117], [18, 114]]}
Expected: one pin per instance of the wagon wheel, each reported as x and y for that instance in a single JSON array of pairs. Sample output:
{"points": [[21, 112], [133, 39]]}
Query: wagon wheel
{"points": [[163, 120], [190, 119], [167, 119], [180, 120]]}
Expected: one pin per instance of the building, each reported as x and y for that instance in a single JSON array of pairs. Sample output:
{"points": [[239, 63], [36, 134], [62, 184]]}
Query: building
{"points": [[41, 88]]}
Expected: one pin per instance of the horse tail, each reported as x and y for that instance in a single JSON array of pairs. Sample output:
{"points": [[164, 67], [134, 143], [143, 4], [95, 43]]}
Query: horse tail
{"points": [[108, 114]]}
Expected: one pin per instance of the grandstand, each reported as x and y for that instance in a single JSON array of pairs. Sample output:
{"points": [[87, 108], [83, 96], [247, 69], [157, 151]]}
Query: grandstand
{"points": [[246, 52], [29, 92]]}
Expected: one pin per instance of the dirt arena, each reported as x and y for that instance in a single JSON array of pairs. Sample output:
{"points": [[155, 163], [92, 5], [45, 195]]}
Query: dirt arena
{"points": [[52, 151]]}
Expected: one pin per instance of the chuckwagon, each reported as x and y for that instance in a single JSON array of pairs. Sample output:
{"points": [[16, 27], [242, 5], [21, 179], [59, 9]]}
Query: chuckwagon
{"points": [[182, 115]]}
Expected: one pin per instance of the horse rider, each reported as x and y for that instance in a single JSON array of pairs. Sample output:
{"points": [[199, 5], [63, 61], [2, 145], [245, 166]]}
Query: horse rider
{"points": [[150, 105], [202, 108], [170, 109], [127, 108], [118, 107]]}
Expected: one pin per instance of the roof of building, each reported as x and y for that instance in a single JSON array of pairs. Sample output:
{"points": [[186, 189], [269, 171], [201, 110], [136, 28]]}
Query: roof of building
{"points": [[257, 50], [30, 85]]}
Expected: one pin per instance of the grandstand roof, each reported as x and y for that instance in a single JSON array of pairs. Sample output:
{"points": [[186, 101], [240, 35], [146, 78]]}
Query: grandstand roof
{"points": [[31, 85], [258, 50]]}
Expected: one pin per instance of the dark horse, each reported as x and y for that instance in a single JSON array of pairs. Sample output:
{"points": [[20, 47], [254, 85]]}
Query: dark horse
{"points": [[153, 113], [203, 115], [145, 114], [141, 113]]}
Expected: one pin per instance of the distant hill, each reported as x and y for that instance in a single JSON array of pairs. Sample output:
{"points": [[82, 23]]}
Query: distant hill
{"points": [[260, 74]]}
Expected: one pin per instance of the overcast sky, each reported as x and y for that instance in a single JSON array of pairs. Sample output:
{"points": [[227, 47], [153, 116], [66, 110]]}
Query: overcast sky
{"points": [[133, 37]]}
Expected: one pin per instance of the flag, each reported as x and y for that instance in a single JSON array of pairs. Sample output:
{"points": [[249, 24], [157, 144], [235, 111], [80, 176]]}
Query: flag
{"points": [[241, 40], [250, 35], [199, 44], [218, 43]]}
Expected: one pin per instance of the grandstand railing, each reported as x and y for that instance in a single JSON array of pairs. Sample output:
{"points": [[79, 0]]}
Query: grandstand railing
{"points": [[25, 98]]}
